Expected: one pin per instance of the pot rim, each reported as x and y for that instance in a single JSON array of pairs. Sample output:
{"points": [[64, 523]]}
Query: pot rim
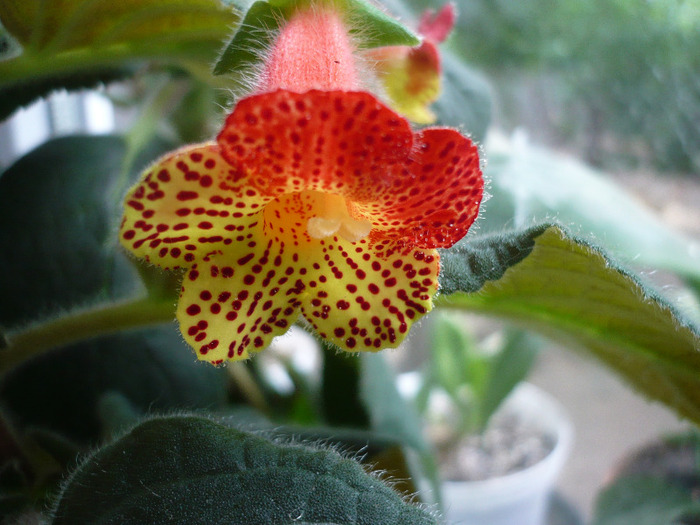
{"points": [[549, 415]]}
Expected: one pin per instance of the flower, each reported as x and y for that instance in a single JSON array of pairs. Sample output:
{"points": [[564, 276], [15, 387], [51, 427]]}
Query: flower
{"points": [[411, 75], [314, 201]]}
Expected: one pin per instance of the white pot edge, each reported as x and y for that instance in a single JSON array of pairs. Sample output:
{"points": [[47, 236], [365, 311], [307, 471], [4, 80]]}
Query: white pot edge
{"points": [[538, 478]]}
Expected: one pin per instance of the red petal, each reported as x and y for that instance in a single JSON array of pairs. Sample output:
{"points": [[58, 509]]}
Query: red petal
{"points": [[435, 197], [335, 142], [437, 26]]}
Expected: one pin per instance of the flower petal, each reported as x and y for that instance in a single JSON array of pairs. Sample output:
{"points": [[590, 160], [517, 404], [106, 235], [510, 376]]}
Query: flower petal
{"points": [[187, 206], [436, 27], [411, 78], [228, 308], [365, 297], [336, 142], [434, 198]]}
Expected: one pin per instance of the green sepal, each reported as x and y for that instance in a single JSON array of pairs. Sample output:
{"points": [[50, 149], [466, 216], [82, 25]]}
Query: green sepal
{"points": [[571, 291], [186, 469], [251, 39], [262, 19], [377, 28]]}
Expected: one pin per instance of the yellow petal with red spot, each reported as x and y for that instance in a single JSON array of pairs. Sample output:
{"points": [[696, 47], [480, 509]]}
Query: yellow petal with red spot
{"points": [[366, 297], [412, 81], [188, 206]]}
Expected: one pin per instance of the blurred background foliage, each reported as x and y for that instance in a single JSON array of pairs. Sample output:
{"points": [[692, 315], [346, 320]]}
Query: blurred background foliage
{"points": [[617, 81]]}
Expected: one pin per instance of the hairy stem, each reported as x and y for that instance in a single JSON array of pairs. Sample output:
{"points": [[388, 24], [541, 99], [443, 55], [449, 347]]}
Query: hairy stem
{"points": [[79, 325]]}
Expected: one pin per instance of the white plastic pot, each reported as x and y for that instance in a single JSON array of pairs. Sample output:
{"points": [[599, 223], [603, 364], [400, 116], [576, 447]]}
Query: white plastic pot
{"points": [[519, 498]]}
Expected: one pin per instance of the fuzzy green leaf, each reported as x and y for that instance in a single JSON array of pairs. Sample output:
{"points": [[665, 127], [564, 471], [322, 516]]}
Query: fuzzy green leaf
{"points": [[65, 391], [468, 265], [571, 291], [77, 43], [59, 206], [50, 263], [530, 183], [184, 470]]}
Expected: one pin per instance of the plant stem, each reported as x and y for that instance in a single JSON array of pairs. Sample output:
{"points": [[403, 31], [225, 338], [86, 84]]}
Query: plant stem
{"points": [[249, 386], [79, 325]]}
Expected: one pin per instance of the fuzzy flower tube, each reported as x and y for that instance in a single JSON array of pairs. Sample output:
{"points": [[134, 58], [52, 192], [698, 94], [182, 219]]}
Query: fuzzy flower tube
{"points": [[315, 199]]}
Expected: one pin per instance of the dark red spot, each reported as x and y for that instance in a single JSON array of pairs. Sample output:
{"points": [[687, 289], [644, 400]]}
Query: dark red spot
{"points": [[245, 259], [193, 309], [187, 195]]}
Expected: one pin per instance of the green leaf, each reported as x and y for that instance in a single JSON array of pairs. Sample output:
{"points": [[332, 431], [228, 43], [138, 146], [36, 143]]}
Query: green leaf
{"points": [[450, 349], [569, 290], [55, 226], [59, 207], [645, 500], [391, 415], [530, 183], [507, 368], [469, 264], [152, 370], [465, 101], [77, 43], [254, 35], [194, 470], [376, 451], [21, 94]]}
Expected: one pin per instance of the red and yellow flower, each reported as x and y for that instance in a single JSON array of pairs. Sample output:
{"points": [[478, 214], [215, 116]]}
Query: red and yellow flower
{"points": [[411, 75], [322, 202]]}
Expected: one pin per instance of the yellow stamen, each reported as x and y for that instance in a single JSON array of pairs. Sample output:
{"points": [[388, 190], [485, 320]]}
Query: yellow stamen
{"points": [[335, 219]]}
